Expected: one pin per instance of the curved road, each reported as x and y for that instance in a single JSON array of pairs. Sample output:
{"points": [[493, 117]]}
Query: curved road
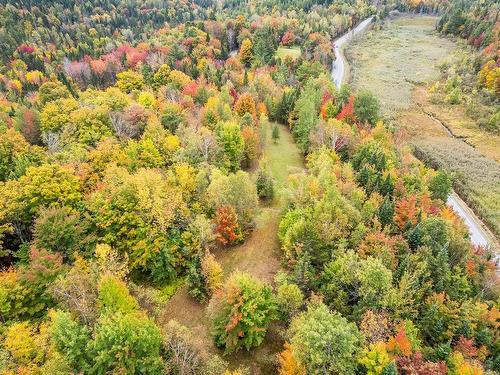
{"points": [[338, 66], [479, 235]]}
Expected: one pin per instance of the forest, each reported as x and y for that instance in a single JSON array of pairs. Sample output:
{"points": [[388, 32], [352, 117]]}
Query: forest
{"points": [[185, 190]]}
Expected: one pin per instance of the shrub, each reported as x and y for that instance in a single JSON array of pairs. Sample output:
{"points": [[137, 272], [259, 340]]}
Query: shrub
{"points": [[186, 354], [454, 97], [265, 184], [275, 133], [240, 312], [289, 300]]}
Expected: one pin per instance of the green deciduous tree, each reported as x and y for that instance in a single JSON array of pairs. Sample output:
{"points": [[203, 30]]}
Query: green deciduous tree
{"points": [[128, 343], [160, 78], [440, 185], [89, 125], [52, 90], [289, 299], [172, 116], [12, 146], [366, 108], [56, 114], [63, 231], [70, 339], [232, 144], [129, 81], [237, 190], [48, 185], [114, 296], [133, 212], [324, 342]]}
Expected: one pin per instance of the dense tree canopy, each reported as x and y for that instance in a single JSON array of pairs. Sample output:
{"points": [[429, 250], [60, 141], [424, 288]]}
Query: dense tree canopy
{"points": [[134, 146]]}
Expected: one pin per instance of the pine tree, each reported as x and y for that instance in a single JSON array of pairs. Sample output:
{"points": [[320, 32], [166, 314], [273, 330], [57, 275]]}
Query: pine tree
{"points": [[276, 133]]}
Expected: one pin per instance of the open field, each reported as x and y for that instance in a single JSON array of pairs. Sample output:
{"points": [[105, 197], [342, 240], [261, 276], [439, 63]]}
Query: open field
{"points": [[259, 255], [284, 52], [392, 61], [398, 64]]}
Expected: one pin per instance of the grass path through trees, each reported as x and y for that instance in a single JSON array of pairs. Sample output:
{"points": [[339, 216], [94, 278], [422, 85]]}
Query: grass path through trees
{"points": [[258, 255]]}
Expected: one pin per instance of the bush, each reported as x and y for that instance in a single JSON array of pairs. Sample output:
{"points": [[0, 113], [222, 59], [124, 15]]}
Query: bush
{"points": [[204, 276], [265, 184], [289, 299], [454, 97], [494, 122], [240, 312]]}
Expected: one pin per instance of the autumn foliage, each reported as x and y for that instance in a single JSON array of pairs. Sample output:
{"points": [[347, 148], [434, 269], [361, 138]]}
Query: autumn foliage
{"points": [[227, 229], [289, 365], [347, 112]]}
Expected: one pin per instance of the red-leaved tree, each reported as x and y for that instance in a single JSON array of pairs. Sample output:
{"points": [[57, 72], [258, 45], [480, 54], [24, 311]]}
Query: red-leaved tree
{"points": [[227, 229]]}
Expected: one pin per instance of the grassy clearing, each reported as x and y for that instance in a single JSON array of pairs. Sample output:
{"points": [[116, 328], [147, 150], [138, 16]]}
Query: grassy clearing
{"points": [[459, 122], [398, 63], [291, 52], [259, 255], [391, 61]]}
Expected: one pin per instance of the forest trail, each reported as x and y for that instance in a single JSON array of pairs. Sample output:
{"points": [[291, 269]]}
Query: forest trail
{"points": [[259, 255]]}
